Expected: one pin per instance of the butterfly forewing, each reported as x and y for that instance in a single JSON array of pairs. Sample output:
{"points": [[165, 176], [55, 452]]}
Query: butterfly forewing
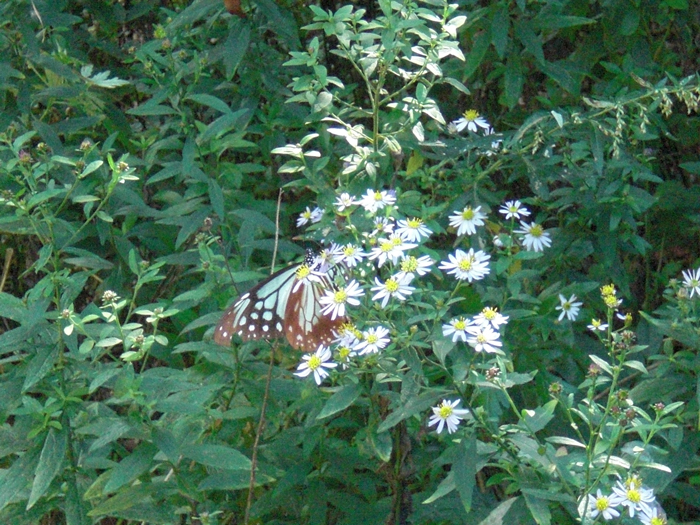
{"points": [[259, 313]]}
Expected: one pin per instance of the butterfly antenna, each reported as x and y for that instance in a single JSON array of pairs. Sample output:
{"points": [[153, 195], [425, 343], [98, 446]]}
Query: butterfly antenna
{"points": [[277, 231]]}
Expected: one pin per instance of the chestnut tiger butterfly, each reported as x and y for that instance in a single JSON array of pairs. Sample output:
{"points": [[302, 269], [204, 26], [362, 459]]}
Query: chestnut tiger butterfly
{"points": [[284, 304]]}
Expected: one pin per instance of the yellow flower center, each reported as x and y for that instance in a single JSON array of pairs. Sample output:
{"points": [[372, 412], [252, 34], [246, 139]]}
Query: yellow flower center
{"points": [[409, 265], [468, 214], [340, 296], [378, 196], [471, 115], [349, 251], [386, 246], [481, 338], [371, 338], [601, 503], [445, 411], [460, 324], [391, 285], [396, 241], [489, 313], [414, 223], [314, 362], [303, 272], [465, 264], [633, 495], [658, 521], [343, 352], [536, 230], [306, 214]]}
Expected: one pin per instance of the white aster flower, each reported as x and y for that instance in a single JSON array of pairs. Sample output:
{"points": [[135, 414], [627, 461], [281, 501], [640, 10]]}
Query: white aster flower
{"points": [[483, 338], [491, 317], [317, 363], [569, 307], [597, 325], [393, 287], [691, 280], [334, 301], [602, 504], [308, 274], [472, 266], [391, 249], [457, 328], [446, 414], [373, 340], [304, 217], [344, 201], [472, 121], [413, 230], [411, 265], [383, 225], [514, 210], [534, 237], [375, 200], [345, 355], [656, 516], [467, 220], [351, 255], [348, 335], [634, 497]]}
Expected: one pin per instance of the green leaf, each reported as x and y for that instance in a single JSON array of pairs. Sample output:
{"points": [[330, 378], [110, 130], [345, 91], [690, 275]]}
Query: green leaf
{"points": [[217, 456], [16, 479], [52, 457], [464, 468], [340, 400], [513, 81], [39, 366], [499, 30], [210, 101], [131, 467], [236, 46], [418, 404], [123, 500]]}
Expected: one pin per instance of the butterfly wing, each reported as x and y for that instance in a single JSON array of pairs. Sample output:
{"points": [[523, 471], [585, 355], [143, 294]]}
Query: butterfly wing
{"points": [[260, 312], [305, 325]]}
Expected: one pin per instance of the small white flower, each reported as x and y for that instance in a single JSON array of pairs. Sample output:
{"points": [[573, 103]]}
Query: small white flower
{"points": [[605, 505], [569, 307], [348, 335], [373, 340], [391, 249], [317, 363], [316, 214], [308, 274], [467, 220], [334, 301], [375, 200], [411, 265], [344, 201], [472, 266], [484, 339], [457, 328], [472, 121], [514, 210], [597, 325], [534, 237], [413, 230], [383, 225], [350, 255], [446, 414], [633, 497], [691, 280], [656, 516], [393, 287], [304, 217], [491, 317], [345, 355]]}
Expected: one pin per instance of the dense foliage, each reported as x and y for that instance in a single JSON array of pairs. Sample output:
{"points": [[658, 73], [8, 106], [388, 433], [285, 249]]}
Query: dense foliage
{"points": [[141, 162]]}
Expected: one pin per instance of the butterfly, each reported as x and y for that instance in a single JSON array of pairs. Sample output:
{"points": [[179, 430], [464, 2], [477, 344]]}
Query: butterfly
{"points": [[284, 304]]}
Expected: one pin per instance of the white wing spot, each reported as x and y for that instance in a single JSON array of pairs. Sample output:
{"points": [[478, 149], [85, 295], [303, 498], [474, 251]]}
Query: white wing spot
{"points": [[279, 326], [265, 328], [251, 328], [242, 321], [258, 305], [267, 315], [225, 334], [254, 316]]}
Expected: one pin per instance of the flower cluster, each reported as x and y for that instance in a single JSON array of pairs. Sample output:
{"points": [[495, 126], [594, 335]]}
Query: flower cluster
{"points": [[481, 332], [630, 495]]}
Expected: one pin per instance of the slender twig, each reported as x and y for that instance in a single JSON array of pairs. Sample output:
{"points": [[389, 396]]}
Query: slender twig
{"points": [[6, 269], [258, 433]]}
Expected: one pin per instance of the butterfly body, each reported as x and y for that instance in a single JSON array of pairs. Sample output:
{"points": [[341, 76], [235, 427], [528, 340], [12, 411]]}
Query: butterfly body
{"points": [[283, 305]]}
